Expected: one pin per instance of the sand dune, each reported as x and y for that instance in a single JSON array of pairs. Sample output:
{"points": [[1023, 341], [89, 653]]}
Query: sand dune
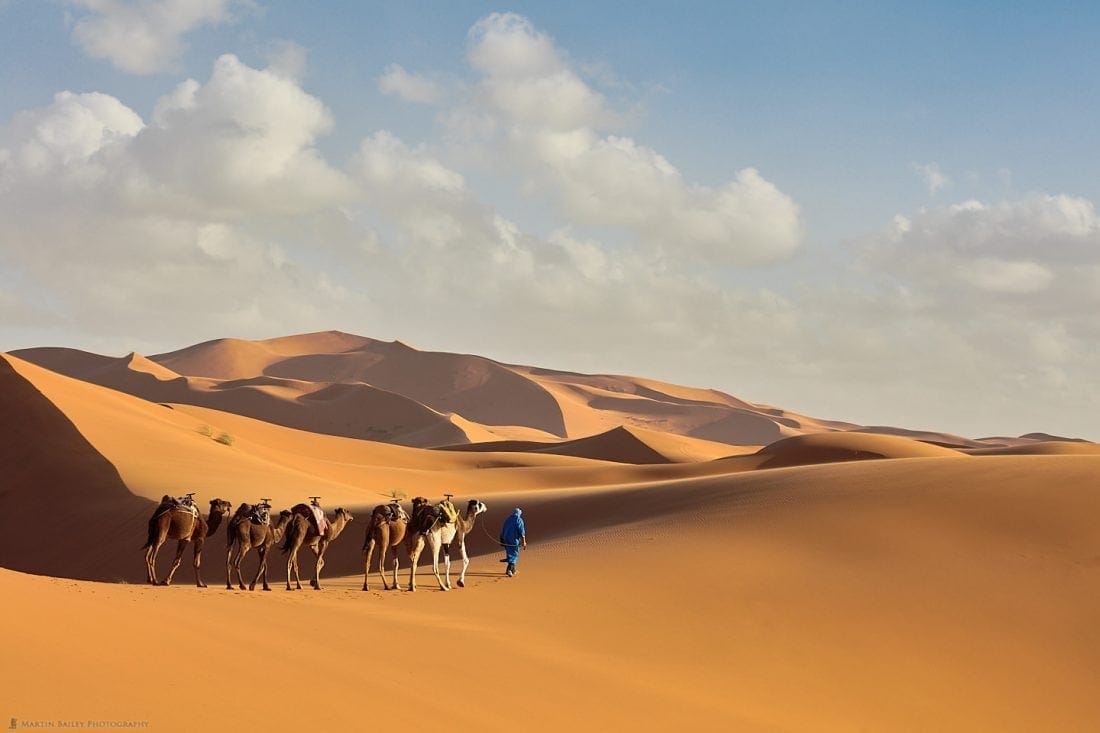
{"points": [[64, 509], [831, 580], [621, 444], [447, 395], [946, 440], [354, 410], [1041, 448], [847, 446], [890, 595]]}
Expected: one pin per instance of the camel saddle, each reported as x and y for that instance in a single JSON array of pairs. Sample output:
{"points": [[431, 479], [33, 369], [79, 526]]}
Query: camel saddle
{"points": [[314, 514], [394, 512], [260, 514], [447, 512], [177, 503], [425, 517]]}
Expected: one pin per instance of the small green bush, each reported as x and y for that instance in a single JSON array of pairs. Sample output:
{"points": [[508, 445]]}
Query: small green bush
{"points": [[205, 430], [225, 439]]}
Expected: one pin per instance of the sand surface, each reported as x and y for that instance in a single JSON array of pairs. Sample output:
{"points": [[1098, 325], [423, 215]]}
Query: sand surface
{"points": [[828, 581]]}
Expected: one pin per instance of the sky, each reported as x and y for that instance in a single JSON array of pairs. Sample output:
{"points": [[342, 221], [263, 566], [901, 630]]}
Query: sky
{"points": [[875, 212]]}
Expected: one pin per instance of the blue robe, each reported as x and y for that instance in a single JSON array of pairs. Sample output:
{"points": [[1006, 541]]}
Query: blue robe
{"points": [[512, 534]]}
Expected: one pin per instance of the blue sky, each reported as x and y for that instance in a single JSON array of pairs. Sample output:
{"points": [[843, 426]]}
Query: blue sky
{"points": [[878, 212]]}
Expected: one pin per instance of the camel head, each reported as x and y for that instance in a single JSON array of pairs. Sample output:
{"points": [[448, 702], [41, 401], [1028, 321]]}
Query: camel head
{"points": [[219, 510], [345, 514], [280, 526], [475, 507]]}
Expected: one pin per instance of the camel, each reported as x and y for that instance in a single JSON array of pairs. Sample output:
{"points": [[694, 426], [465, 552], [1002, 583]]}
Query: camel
{"points": [[246, 534], [300, 531], [464, 525], [386, 530], [438, 535], [177, 522]]}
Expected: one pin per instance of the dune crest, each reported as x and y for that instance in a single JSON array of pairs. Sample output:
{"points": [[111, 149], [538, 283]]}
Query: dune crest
{"points": [[846, 446]]}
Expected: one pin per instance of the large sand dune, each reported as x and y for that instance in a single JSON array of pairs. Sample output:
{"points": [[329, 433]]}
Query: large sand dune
{"points": [[420, 398], [831, 580]]}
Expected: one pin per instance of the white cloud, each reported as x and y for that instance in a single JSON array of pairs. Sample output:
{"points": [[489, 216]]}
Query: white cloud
{"points": [[243, 141], [1006, 276], [68, 132], [407, 85], [190, 220], [985, 311], [143, 36], [554, 125], [934, 178]]}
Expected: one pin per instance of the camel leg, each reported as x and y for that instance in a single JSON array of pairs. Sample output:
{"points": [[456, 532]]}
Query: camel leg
{"points": [[262, 569], [367, 552], [265, 586], [396, 563], [198, 562], [447, 565], [238, 561], [465, 562], [151, 559], [382, 564], [292, 564], [229, 566], [180, 547], [414, 558], [434, 541], [153, 551], [320, 553]]}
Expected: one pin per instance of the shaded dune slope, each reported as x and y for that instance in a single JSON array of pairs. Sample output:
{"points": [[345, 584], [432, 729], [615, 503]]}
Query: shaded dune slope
{"points": [[64, 509]]}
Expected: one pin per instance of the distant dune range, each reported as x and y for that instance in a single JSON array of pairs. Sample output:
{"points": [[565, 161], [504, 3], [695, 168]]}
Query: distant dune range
{"points": [[347, 385], [690, 550]]}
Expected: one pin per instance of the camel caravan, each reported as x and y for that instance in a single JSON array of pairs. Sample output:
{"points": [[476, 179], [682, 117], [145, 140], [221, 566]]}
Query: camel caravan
{"points": [[437, 527]]}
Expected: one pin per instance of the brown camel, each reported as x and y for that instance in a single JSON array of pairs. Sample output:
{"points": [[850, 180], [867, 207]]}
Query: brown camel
{"points": [[300, 531], [386, 530], [176, 522], [246, 534]]}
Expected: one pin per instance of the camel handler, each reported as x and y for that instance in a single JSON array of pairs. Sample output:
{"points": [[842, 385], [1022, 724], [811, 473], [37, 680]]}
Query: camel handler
{"points": [[513, 537]]}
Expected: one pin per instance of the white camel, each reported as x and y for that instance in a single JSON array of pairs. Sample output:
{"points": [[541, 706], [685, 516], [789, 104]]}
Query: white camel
{"points": [[429, 529]]}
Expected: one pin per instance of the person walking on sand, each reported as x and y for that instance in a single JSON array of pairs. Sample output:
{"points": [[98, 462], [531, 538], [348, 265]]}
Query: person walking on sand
{"points": [[513, 536]]}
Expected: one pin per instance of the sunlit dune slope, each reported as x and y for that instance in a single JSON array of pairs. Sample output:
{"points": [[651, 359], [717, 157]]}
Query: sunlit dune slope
{"points": [[846, 446], [902, 595]]}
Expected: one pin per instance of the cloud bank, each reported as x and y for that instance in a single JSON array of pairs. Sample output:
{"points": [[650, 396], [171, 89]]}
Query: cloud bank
{"points": [[218, 215]]}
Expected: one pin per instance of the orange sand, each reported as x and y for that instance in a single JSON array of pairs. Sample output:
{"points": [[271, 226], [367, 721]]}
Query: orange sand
{"points": [[793, 588]]}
